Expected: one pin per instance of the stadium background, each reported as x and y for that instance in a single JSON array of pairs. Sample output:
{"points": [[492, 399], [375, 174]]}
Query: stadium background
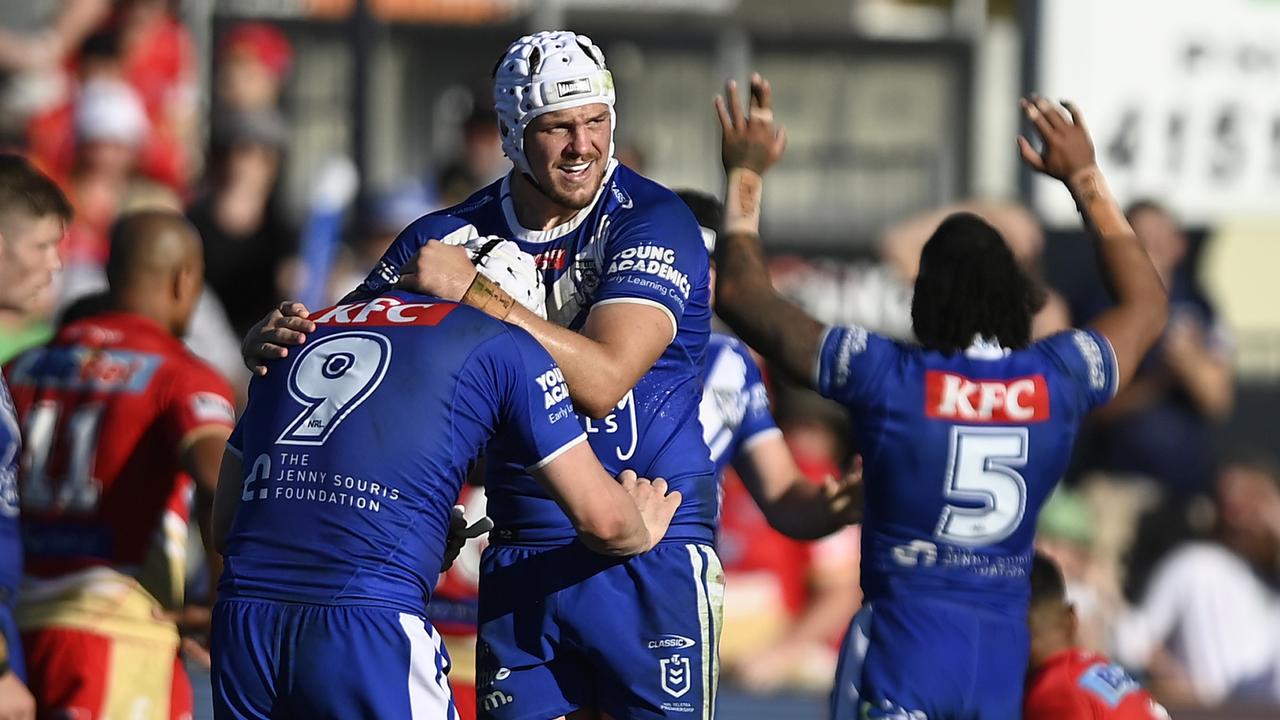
{"points": [[894, 108]]}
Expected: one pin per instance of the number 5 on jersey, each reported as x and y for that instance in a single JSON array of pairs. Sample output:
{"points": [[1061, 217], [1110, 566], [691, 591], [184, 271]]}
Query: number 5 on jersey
{"points": [[331, 379], [981, 474]]}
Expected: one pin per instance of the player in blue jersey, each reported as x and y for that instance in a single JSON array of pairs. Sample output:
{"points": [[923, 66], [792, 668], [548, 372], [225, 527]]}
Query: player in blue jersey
{"points": [[333, 506], [33, 216], [739, 428], [963, 435], [628, 314]]}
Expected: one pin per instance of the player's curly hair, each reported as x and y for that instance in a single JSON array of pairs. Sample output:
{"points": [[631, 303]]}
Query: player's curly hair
{"points": [[971, 284]]}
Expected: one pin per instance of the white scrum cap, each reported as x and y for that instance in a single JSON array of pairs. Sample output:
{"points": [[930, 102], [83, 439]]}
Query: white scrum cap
{"points": [[542, 73]]}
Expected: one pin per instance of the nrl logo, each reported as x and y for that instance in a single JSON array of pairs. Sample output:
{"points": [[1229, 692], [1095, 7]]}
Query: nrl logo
{"points": [[677, 678]]}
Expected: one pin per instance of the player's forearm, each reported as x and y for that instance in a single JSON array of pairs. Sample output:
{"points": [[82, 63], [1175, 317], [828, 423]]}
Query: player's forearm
{"points": [[595, 382], [745, 299], [802, 512], [1125, 263], [616, 527]]}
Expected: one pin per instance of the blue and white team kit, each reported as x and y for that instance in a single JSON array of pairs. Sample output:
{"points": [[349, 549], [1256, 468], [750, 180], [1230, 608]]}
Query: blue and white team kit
{"points": [[562, 627], [353, 450], [960, 451], [10, 531], [735, 403]]}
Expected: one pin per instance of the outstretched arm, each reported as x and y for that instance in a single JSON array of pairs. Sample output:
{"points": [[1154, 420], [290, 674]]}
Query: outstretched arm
{"points": [[1138, 318], [745, 298]]}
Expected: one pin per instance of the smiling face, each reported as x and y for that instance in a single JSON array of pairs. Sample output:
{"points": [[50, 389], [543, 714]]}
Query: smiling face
{"points": [[567, 152]]}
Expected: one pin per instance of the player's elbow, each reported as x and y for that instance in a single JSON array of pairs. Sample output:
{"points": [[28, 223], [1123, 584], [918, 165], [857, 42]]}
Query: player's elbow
{"points": [[600, 401], [613, 533]]}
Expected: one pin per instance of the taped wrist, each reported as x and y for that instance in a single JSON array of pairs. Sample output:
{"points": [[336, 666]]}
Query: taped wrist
{"points": [[742, 201], [488, 297]]}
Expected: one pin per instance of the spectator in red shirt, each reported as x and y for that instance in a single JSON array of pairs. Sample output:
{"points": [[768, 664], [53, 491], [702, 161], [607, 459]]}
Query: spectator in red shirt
{"points": [[1065, 682]]}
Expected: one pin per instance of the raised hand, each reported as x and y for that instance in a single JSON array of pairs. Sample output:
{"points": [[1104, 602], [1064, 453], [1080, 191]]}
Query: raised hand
{"points": [[1068, 149], [656, 505], [750, 139]]}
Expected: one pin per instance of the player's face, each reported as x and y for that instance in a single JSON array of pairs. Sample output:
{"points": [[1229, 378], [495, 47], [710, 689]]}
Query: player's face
{"points": [[567, 152], [28, 258]]}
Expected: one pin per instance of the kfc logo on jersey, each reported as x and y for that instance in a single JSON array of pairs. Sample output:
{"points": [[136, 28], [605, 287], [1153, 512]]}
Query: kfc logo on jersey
{"points": [[949, 396], [550, 260], [384, 312], [213, 408]]}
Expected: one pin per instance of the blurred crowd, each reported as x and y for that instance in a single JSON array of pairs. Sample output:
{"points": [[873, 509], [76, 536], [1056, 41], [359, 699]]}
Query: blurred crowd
{"points": [[1171, 551]]}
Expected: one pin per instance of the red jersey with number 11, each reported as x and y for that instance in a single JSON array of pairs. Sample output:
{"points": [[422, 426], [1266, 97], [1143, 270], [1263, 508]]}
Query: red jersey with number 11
{"points": [[107, 409]]}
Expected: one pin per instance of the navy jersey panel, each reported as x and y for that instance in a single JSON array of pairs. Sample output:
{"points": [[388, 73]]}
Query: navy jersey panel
{"points": [[735, 402], [10, 534], [959, 454], [637, 243], [355, 448]]}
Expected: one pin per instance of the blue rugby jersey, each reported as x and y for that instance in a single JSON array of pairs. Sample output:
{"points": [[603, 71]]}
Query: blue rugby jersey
{"points": [[735, 402], [959, 454], [355, 447], [10, 533], [636, 242]]}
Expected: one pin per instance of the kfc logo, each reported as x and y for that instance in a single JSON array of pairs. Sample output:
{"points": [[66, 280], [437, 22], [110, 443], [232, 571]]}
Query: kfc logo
{"points": [[949, 396]]}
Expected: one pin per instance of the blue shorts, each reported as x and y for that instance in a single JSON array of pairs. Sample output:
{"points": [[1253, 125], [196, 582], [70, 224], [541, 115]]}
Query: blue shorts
{"points": [[563, 628], [918, 660], [284, 660]]}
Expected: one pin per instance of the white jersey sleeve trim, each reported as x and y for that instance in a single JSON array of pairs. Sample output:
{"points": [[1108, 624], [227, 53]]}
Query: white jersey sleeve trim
{"points": [[645, 301], [1115, 366], [759, 437], [557, 453]]}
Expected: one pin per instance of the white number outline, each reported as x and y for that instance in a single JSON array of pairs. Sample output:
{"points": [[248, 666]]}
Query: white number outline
{"points": [[311, 404], [957, 488], [78, 491]]}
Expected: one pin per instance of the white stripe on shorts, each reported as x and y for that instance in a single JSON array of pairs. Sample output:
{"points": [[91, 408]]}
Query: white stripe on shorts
{"points": [[429, 694], [710, 591]]}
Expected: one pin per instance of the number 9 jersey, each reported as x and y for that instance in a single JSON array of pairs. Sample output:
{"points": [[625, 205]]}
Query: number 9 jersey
{"points": [[960, 453]]}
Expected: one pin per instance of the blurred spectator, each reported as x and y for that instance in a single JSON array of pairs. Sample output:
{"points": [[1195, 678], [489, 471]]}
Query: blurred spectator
{"points": [[482, 160], [389, 213], [110, 128], [254, 60], [246, 235], [1159, 427], [36, 38], [787, 603], [1207, 628], [1151, 446], [158, 60]]}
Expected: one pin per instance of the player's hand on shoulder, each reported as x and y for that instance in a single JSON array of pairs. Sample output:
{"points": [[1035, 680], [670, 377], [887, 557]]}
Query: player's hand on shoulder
{"points": [[444, 271], [845, 494], [272, 336], [750, 139], [1067, 147], [657, 506], [16, 702]]}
